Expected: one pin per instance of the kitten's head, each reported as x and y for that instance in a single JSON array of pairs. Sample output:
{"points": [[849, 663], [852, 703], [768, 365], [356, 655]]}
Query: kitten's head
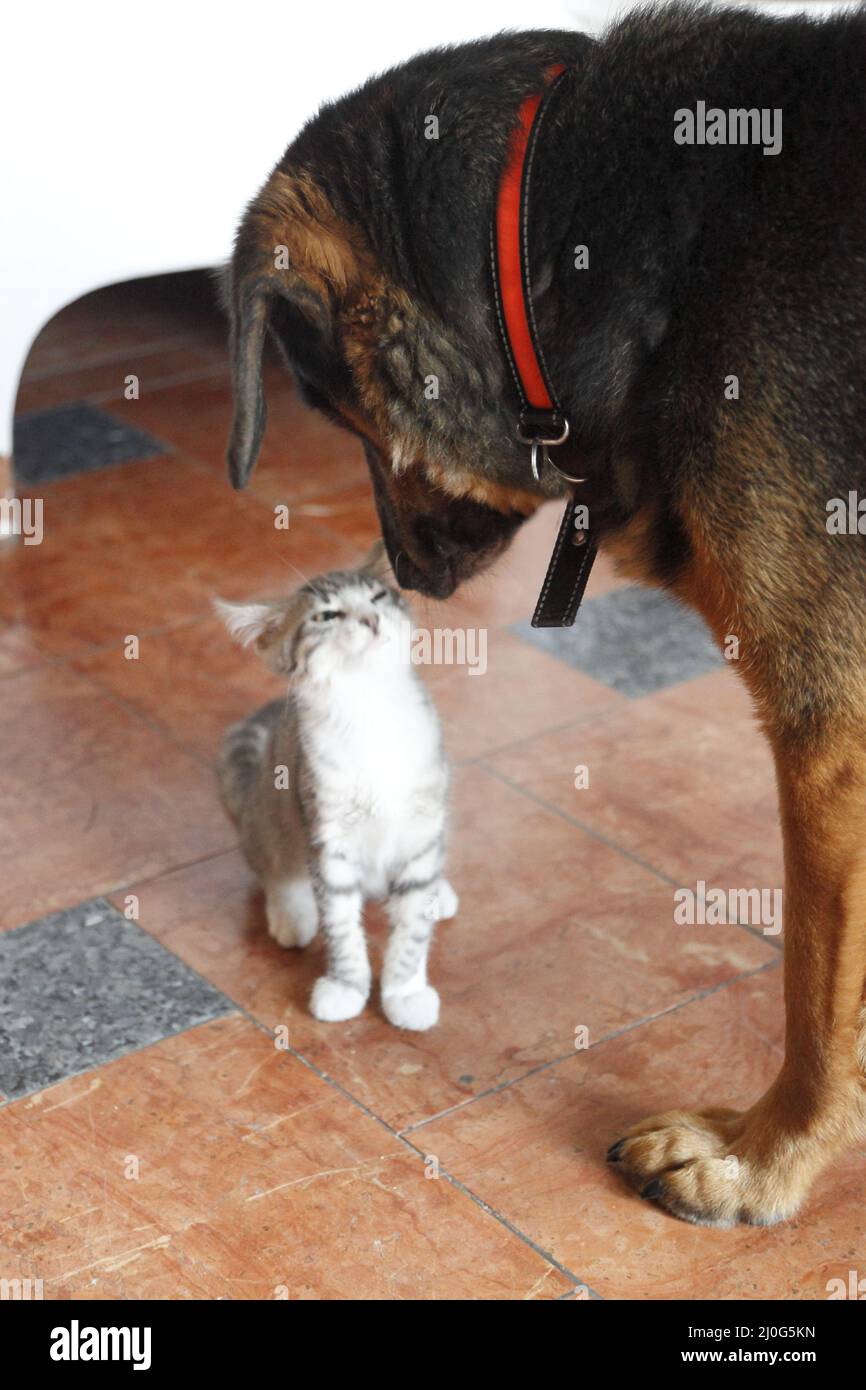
{"points": [[334, 623]]}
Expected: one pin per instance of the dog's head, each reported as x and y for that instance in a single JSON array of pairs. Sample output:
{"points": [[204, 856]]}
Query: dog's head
{"points": [[365, 257]]}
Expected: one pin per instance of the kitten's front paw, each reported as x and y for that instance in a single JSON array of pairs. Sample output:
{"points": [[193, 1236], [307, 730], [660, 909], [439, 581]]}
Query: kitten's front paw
{"points": [[448, 901], [417, 1011], [333, 1002]]}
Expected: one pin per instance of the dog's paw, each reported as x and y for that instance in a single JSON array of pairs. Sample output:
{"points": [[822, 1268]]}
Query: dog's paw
{"points": [[698, 1166], [417, 1011], [333, 1002], [292, 915]]}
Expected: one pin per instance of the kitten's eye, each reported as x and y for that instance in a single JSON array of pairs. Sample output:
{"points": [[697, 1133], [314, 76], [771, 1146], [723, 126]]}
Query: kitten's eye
{"points": [[383, 594], [327, 614]]}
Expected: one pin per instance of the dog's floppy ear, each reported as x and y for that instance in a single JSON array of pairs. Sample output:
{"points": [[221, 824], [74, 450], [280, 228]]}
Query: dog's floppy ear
{"points": [[252, 296], [292, 251], [250, 310]]}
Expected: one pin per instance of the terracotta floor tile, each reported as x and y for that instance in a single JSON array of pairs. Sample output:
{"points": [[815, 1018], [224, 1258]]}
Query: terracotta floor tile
{"points": [[521, 692], [720, 695], [302, 455], [535, 1152], [193, 681], [120, 319], [350, 512], [255, 1179], [91, 797], [147, 545], [555, 932], [690, 791], [17, 651], [104, 382]]}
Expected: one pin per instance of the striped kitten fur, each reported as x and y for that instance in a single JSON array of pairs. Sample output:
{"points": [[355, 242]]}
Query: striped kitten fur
{"points": [[363, 814]]}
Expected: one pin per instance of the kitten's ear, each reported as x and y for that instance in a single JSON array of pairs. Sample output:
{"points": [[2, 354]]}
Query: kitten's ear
{"points": [[270, 627], [376, 562], [247, 622]]}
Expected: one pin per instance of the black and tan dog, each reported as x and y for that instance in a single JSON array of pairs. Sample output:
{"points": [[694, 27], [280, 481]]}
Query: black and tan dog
{"points": [[712, 361]]}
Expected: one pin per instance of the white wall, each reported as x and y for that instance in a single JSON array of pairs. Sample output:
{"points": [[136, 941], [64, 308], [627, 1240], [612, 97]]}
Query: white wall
{"points": [[134, 134]]}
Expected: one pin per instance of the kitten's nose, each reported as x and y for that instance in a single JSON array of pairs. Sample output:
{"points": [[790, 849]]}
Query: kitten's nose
{"points": [[371, 621]]}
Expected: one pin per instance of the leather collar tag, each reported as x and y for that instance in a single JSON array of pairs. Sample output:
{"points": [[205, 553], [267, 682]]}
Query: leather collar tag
{"points": [[567, 573], [542, 424]]}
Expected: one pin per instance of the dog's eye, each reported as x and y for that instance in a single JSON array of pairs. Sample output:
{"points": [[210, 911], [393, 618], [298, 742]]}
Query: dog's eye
{"points": [[383, 594], [327, 614]]}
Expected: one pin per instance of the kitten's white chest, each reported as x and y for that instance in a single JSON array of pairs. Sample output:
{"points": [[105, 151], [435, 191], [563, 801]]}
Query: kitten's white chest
{"points": [[380, 771]]}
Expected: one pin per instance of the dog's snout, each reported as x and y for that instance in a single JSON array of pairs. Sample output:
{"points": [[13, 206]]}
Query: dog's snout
{"points": [[371, 621]]}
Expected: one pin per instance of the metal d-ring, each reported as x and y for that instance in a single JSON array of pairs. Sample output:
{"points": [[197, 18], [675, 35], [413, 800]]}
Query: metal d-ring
{"points": [[541, 444], [569, 478], [533, 457]]}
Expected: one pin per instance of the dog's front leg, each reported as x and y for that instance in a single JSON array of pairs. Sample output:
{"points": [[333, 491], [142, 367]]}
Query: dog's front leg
{"points": [[714, 1166]]}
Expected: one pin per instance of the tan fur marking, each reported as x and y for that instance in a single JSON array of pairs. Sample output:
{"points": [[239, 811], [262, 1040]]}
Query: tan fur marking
{"points": [[496, 495], [630, 547], [292, 211]]}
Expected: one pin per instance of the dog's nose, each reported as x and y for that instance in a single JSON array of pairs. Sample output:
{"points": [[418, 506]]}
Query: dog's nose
{"points": [[371, 621], [438, 583]]}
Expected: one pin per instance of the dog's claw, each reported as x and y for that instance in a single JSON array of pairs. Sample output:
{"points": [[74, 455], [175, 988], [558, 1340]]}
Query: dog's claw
{"points": [[652, 1190], [613, 1153]]}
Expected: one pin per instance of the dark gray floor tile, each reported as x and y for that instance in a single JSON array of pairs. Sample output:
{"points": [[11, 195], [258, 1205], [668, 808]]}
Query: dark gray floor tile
{"points": [[634, 640], [84, 986], [78, 438]]}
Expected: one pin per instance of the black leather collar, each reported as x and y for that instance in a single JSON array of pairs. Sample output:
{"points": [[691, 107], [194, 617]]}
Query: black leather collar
{"points": [[542, 424]]}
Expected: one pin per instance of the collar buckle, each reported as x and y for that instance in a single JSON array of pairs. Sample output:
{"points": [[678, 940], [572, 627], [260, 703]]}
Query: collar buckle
{"points": [[548, 427]]}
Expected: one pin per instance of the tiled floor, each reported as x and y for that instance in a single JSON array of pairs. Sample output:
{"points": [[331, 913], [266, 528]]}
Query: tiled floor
{"points": [[176, 1124]]}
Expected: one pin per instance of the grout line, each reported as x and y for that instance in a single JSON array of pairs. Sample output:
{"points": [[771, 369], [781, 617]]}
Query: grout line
{"points": [[142, 717], [95, 1067], [151, 348], [66, 660], [596, 716], [449, 1177], [165, 383], [515, 1231], [102, 648], [578, 824], [607, 1038], [611, 844], [261, 1027], [166, 873]]}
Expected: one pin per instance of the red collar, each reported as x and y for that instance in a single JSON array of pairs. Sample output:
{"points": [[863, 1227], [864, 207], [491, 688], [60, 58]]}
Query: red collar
{"points": [[542, 423]]}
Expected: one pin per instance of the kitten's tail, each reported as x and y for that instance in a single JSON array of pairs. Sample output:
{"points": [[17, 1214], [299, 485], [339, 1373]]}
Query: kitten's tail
{"points": [[243, 750]]}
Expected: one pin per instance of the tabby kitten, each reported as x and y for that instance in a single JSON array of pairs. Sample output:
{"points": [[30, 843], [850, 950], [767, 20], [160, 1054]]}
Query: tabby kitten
{"points": [[339, 791]]}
